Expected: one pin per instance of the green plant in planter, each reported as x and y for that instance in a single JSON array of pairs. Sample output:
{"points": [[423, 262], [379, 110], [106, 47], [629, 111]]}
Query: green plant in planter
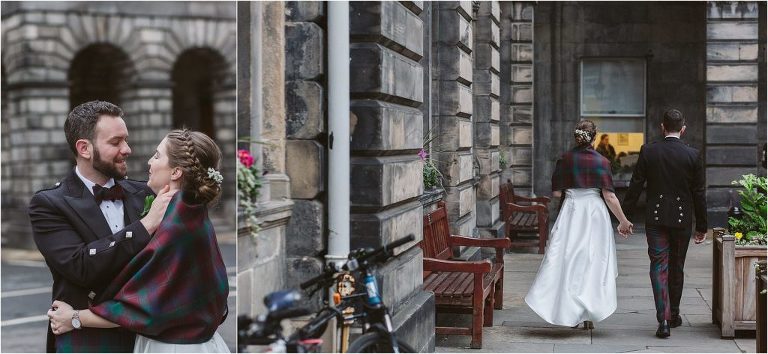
{"points": [[502, 160], [751, 228], [431, 174]]}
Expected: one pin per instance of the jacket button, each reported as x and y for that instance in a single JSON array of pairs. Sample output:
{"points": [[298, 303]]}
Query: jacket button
{"points": [[655, 211], [678, 199], [92, 295], [92, 251], [681, 214], [128, 234], [678, 220], [681, 208], [657, 205], [657, 218]]}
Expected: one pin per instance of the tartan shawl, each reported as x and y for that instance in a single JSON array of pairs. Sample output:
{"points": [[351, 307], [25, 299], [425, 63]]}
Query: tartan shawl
{"points": [[175, 290], [582, 167]]}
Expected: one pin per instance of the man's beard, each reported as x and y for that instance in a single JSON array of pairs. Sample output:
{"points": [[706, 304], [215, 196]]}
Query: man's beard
{"points": [[107, 168]]}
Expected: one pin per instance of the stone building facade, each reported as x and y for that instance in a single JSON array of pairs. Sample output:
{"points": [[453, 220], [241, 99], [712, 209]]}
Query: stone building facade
{"points": [[493, 82], [167, 64]]}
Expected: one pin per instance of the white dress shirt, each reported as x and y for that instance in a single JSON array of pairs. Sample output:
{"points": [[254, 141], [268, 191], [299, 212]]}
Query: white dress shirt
{"points": [[112, 210]]}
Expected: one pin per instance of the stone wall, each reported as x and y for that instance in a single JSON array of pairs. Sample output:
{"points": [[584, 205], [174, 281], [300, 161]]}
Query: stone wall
{"points": [[517, 95], [41, 40], [453, 111], [486, 90], [735, 116], [670, 36], [387, 91], [261, 266]]}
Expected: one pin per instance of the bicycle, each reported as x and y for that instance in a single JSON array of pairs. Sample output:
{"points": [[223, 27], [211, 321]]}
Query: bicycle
{"points": [[378, 333]]}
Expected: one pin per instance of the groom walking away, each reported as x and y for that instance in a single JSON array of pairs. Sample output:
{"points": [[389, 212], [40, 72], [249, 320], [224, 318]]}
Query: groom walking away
{"points": [[87, 227], [675, 191]]}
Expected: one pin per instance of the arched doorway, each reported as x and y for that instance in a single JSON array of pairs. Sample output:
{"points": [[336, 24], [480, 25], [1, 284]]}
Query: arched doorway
{"points": [[99, 72], [197, 77]]}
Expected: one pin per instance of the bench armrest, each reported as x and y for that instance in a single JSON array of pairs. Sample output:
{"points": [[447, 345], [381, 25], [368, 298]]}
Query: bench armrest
{"points": [[543, 200], [538, 208], [456, 240], [439, 265]]}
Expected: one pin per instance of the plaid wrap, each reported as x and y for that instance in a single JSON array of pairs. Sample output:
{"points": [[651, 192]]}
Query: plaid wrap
{"points": [[175, 290], [582, 168]]}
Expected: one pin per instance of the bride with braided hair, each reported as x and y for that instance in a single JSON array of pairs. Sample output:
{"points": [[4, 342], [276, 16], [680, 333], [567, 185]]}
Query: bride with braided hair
{"points": [[576, 281], [173, 293]]}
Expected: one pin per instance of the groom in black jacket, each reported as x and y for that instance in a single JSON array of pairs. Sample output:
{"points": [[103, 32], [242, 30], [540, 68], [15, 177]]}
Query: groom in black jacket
{"points": [[87, 227], [675, 193]]}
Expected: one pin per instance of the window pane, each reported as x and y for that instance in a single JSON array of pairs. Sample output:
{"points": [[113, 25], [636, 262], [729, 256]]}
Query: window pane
{"points": [[613, 87]]}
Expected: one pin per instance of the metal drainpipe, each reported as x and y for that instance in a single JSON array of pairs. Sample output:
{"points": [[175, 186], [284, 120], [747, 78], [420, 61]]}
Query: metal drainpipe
{"points": [[338, 131]]}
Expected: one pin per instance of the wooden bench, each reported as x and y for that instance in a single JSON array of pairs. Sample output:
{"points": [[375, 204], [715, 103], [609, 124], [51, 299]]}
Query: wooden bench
{"points": [[475, 287], [524, 214]]}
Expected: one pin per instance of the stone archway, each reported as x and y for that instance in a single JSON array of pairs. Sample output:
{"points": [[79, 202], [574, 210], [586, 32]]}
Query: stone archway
{"points": [[197, 76], [99, 72]]}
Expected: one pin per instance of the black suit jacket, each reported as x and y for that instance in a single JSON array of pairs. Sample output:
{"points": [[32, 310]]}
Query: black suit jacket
{"points": [[82, 252], [676, 190]]}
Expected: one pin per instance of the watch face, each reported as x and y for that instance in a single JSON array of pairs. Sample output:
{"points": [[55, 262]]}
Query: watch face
{"points": [[76, 323]]}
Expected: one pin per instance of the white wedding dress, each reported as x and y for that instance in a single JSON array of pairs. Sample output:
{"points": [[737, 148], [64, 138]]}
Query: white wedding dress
{"points": [[576, 281], [147, 345]]}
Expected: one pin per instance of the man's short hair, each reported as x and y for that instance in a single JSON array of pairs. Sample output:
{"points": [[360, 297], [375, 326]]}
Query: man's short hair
{"points": [[673, 120], [81, 122]]}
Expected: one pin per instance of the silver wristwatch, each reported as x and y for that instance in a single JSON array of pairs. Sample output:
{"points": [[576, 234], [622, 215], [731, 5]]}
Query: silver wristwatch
{"points": [[76, 319]]}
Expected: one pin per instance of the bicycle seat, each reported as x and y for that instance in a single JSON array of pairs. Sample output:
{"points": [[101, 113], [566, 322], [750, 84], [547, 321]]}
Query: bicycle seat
{"points": [[281, 300]]}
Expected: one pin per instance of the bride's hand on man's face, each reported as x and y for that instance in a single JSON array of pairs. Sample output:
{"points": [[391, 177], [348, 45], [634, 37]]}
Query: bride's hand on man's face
{"points": [[60, 315]]}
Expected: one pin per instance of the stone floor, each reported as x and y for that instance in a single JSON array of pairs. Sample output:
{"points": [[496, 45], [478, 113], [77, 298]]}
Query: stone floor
{"points": [[630, 329]]}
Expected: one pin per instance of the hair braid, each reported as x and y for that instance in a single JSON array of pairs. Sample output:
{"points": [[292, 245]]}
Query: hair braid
{"points": [[195, 153]]}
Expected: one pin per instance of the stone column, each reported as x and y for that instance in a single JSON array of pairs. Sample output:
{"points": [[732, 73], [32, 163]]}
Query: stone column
{"points": [[452, 116], [486, 89], [306, 134], [735, 125], [35, 152], [517, 95], [261, 257], [386, 87]]}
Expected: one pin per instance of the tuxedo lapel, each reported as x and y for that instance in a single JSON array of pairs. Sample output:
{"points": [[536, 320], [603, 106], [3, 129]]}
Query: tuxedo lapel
{"points": [[84, 205], [133, 203]]}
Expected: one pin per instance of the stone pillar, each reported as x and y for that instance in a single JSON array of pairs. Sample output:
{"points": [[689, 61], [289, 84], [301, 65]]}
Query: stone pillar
{"points": [[517, 95], [386, 87], [452, 116], [305, 125], [735, 125], [486, 90], [35, 152], [261, 257]]}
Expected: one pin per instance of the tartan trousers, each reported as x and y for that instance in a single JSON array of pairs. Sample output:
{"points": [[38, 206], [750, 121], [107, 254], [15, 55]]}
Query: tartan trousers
{"points": [[666, 249]]}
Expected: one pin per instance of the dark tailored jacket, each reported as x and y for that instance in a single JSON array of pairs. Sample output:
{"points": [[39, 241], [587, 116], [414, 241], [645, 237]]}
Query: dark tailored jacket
{"points": [[84, 255], [675, 192]]}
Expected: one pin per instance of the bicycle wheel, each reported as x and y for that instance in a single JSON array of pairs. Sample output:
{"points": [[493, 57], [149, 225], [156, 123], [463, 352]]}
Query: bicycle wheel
{"points": [[375, 342]]}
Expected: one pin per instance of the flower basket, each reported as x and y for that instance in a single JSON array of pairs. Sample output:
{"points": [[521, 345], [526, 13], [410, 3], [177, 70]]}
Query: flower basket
{"points": [[733, 283]]}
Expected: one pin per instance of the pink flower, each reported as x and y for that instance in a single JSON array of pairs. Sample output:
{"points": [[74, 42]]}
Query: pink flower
{"points": [[423, 154], [245, 158]]}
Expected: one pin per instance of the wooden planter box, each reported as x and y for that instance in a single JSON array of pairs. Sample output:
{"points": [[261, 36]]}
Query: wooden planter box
{"points": [[733, 283], [760, 336]]}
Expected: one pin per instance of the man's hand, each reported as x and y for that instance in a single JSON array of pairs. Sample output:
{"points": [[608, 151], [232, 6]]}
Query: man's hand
{"points": [[699, 237], [60, 315], [155, 215], [625, 229]]}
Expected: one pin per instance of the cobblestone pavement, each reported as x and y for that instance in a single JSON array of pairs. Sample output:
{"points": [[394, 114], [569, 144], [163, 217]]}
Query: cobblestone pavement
{"points": [[630, 329]]}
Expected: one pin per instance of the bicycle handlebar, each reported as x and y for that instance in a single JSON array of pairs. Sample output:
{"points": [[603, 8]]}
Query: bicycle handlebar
{"points": [[385, 250]]}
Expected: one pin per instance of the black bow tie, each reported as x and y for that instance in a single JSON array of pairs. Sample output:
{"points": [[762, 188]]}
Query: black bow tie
{"points": [[113, 193]]}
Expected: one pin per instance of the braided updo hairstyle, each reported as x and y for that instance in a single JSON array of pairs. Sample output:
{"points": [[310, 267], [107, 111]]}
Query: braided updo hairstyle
{"points": [[195, 152], [585, 133]]}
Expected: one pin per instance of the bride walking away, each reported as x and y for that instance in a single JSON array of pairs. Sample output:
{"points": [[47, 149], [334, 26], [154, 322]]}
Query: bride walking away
{"points": [[576, 281]]}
